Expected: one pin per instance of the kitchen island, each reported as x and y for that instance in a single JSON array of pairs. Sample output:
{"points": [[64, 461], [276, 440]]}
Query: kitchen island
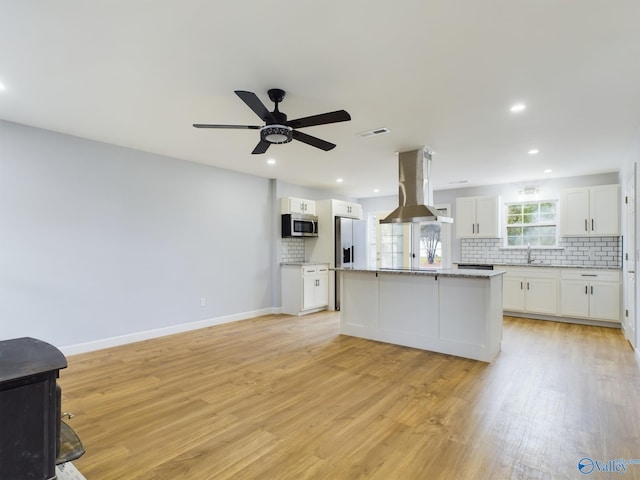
{"points": [[457, 312]]}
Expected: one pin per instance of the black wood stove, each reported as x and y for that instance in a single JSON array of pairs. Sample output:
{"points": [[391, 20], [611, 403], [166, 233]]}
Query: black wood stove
{"points": [[31, 428]]}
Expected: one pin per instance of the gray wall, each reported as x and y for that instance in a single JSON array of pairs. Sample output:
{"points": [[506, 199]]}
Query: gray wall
{"points": [[98, 241]]}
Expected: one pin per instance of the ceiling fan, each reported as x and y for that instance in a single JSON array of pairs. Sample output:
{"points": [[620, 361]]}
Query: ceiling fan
{"points": [[277, 128]]}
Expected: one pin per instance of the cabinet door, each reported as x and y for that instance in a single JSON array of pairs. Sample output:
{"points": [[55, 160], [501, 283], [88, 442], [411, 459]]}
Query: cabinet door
{"points": [[604, 301], [309, 207], [356, 211], [574, 298], [487, 217], [604, 206], [513, 293], [574, 212], [309, 286], [322, 287], [541, 295], [465, 218]]}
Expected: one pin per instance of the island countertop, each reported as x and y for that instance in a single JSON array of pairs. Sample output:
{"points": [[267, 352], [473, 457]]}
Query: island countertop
{"points": [[445, 272]]}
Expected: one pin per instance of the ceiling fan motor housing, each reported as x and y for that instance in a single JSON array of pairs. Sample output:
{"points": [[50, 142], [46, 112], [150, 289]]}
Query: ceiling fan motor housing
{"points": [[276, 134]]}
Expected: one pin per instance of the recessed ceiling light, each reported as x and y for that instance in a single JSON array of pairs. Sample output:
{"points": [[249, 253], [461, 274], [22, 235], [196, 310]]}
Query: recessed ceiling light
{"points": [[339, 180], [2, 87], [271, 161], [518, 107], [533, 151], [376, 190], [548, 170]]}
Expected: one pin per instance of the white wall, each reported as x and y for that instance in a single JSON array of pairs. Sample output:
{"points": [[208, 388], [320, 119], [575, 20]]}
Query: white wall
{"points": [[99, 241]]}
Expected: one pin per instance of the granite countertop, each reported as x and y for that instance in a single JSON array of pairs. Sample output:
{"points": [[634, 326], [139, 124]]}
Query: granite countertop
{"points": [[537, 264], [445, 272], [301, 264]]}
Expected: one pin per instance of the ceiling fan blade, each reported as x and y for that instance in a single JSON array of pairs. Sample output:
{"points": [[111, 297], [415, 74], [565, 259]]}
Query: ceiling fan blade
{"points": [[207, 125], [322, 119], [313, 141], [261, 147], [254, 103]]}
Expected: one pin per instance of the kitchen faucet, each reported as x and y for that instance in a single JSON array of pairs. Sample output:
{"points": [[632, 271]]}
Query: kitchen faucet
{"points": [[529, 259]]}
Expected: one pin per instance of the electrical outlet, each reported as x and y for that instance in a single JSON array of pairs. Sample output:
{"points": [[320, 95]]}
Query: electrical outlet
{"points": [[203, 302]]}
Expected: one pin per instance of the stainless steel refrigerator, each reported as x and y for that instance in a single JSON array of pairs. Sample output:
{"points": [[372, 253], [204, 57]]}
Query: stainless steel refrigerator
{"points": [[350, 248]]}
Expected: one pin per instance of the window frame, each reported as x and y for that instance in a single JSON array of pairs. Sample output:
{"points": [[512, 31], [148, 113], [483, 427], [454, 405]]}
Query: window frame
{"points": [[523, 203]]}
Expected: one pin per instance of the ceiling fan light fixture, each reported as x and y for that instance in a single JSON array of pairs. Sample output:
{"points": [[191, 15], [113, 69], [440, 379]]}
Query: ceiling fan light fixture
{"points": [[276, 134]]}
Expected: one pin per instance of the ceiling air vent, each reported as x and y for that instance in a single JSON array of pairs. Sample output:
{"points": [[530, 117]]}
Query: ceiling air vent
{"points": [[375, 131]]}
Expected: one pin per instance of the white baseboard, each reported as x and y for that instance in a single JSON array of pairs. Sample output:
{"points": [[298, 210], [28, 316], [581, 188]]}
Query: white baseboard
{"points": [[161, 332]]}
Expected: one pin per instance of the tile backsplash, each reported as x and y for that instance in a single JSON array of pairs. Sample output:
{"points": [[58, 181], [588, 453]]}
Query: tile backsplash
{"points": [[292, 250], [579, 251]]}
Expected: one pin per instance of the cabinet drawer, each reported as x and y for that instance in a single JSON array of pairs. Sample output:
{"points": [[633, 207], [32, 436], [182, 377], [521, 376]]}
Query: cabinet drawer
{"points": [[591, 275], [531, 272], [322, 268], [309, 270]]}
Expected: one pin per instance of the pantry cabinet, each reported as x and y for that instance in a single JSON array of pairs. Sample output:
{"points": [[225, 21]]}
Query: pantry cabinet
{"points": [[590, 211], [297, 205], [305, 288], [592, 294], [477, 217]]}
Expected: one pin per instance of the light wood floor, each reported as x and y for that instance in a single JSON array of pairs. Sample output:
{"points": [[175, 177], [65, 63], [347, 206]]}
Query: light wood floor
{"points": [[281, 397]]}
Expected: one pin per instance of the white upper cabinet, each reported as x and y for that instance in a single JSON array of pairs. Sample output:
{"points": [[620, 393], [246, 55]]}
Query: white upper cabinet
{"points": [[346, 209], [477, 217], [590, 211], [297, 205]]}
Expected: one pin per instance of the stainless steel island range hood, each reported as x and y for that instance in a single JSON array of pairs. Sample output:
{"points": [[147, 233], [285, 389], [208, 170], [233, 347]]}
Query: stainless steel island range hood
{"points": [[413, 189]]}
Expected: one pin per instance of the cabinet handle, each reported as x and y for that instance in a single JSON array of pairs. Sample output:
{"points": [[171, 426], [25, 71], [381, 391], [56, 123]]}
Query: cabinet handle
{"points": [[527, 285], [591, 289], [478, 228], [588, 275], [593, 225], [586, 291], [473, 228], [521, 286], [586, 226]]}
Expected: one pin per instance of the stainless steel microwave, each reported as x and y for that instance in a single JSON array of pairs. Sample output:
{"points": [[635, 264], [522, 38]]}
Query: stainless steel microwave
{"points": [[299, 225]]}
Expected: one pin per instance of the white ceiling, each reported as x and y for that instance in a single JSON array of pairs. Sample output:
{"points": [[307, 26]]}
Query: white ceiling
{"points": [[139, 73]]}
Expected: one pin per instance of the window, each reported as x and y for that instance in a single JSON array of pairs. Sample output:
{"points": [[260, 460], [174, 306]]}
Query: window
{"points": [[532, 223], [434, 242]]}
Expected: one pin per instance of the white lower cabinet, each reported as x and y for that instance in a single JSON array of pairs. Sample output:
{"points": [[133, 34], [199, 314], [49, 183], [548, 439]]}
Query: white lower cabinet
{"points": [[575, 293], [593, 294], [533, 291], [305, 288], [315, 292]]}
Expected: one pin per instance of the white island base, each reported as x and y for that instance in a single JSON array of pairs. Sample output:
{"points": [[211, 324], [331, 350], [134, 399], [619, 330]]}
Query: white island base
{"points": [[457, 312]]}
